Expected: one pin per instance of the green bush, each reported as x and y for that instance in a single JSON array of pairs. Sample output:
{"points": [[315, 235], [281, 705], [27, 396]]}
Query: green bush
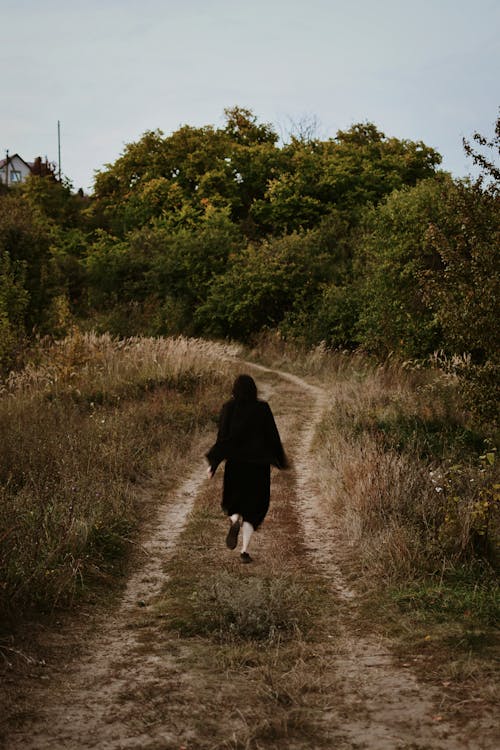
{"points": [[393, 255], [264, 284]]}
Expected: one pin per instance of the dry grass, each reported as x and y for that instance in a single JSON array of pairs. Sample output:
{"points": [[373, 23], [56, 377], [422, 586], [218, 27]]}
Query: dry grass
{"points": [[405, 474], [87, 366], [410, 474], [413, 483], [258, 642], [78, 429]]}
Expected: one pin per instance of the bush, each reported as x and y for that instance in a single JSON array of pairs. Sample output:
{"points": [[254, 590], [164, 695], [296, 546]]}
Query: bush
{"points": [[229, 609], [393, 255], [14, 300], [264, 284]]}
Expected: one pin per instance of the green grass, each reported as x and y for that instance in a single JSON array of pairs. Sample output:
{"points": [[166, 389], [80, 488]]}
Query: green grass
{"points": [[430, 438], [470, 597]]}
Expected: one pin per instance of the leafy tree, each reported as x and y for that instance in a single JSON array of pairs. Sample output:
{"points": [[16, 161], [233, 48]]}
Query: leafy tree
{"points": [[294, 198], [115, 271], [465, 295], [25, 236], [164, 269], [484, 153], [55, 200], [14, 301], [264, 285], [393, 255], [335, 316], [243, 128], [225, 168], [358, 167], [267, 189]]}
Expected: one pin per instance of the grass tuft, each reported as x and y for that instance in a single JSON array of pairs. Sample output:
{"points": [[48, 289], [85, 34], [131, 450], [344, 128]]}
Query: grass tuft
{"points": [[228, 608]]}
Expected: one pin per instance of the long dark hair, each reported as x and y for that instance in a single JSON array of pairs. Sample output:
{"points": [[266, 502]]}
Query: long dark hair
{"points": [[244, 388]]}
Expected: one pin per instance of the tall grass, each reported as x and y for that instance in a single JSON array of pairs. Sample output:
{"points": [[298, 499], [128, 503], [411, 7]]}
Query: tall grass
{"points": [[414, 483], [79, 427], [410, 474]]}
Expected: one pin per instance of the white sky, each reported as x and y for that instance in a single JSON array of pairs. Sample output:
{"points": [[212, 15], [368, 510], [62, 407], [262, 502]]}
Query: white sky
{"points": [[111, 69]]}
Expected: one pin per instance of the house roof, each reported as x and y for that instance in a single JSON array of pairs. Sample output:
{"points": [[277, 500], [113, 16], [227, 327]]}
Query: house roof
{"points": [[4, 161]]}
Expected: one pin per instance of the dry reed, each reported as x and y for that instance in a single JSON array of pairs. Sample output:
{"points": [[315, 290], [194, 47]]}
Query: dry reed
{"points": [[411, 477], [79, 428]]}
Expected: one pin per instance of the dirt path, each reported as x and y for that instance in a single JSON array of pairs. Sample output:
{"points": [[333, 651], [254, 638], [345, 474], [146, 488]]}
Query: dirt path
{"points": [[137, 684]]}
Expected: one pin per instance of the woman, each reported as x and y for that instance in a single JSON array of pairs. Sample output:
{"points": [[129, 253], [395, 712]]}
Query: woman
{"points": [[249, 442]]}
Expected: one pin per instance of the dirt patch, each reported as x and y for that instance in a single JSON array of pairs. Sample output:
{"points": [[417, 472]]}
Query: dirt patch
{"points": [[133, 678]]}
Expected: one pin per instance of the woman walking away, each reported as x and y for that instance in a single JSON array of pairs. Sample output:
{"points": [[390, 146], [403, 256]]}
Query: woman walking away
{"points": [[249, 442]]}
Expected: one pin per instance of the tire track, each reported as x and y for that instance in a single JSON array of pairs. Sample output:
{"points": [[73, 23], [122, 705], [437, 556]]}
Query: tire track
{"points": [[91, 705], [388, 709], [103, 700]]}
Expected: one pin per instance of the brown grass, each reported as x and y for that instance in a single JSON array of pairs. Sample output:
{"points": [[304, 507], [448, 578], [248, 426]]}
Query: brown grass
{"points": [[257, 641], [414, 497], [412, 480], [79, 429], [411, 475]]}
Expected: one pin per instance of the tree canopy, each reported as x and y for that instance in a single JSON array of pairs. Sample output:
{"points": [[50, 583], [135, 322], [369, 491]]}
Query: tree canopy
{"points": [[358, 240]]}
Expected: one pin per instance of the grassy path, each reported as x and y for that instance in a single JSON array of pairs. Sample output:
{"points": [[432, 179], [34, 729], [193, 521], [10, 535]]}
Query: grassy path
{"points": [[205, 653]]}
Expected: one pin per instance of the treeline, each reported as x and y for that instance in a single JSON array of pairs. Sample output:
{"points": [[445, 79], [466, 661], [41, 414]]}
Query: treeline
{"points": [[359, 241]]}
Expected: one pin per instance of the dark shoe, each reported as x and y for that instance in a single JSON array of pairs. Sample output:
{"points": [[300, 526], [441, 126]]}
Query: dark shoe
{"points": [[245, 557], [232, 535]]}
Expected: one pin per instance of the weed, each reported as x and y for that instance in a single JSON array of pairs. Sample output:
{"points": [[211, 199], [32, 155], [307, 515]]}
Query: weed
{"points": [[228, 608], [79, 429], [472, 599]]}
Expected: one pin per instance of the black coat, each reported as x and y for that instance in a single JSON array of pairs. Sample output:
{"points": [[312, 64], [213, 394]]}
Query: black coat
{"points": [[247, 433], [249, 442]]}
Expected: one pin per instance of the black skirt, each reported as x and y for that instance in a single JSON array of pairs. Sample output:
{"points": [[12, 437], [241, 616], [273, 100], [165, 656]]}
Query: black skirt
{"points": [[247, 488]]}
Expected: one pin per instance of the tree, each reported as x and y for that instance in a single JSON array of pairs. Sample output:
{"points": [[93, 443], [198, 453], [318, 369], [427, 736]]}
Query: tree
{"points": [[25, 236], [193, 167], [465, 294], [55, 200], [265, 284], [486, 161], [242, 128], [164, 270], [358, 167], [393, 255]]}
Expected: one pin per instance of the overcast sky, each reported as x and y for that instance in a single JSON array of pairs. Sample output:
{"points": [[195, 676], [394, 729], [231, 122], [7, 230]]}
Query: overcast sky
{"points": [[110, 69]]}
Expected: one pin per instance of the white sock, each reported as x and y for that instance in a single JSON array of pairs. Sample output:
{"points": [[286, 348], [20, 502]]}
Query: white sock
{"points": [[247, 535], [235, 517]]}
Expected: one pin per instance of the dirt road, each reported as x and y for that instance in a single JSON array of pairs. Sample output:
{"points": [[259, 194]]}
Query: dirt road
{"points": [[126, 680]]}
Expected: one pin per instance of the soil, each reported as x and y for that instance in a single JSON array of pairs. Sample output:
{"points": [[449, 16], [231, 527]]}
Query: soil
{"points": [[110, 677]]}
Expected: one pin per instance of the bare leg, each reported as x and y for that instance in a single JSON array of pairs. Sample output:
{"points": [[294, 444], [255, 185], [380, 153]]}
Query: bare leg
{"points": [[247, 535]]}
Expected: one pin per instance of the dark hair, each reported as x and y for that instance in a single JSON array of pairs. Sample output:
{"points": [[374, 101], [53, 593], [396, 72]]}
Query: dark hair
{"points": [[244, 388]]}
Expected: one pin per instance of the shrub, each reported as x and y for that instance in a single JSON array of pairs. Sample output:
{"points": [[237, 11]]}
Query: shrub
{"points": [[228, 609]]}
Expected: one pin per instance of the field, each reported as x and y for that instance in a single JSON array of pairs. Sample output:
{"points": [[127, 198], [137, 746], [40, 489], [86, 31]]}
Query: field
{"points": [[368, 618]]}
